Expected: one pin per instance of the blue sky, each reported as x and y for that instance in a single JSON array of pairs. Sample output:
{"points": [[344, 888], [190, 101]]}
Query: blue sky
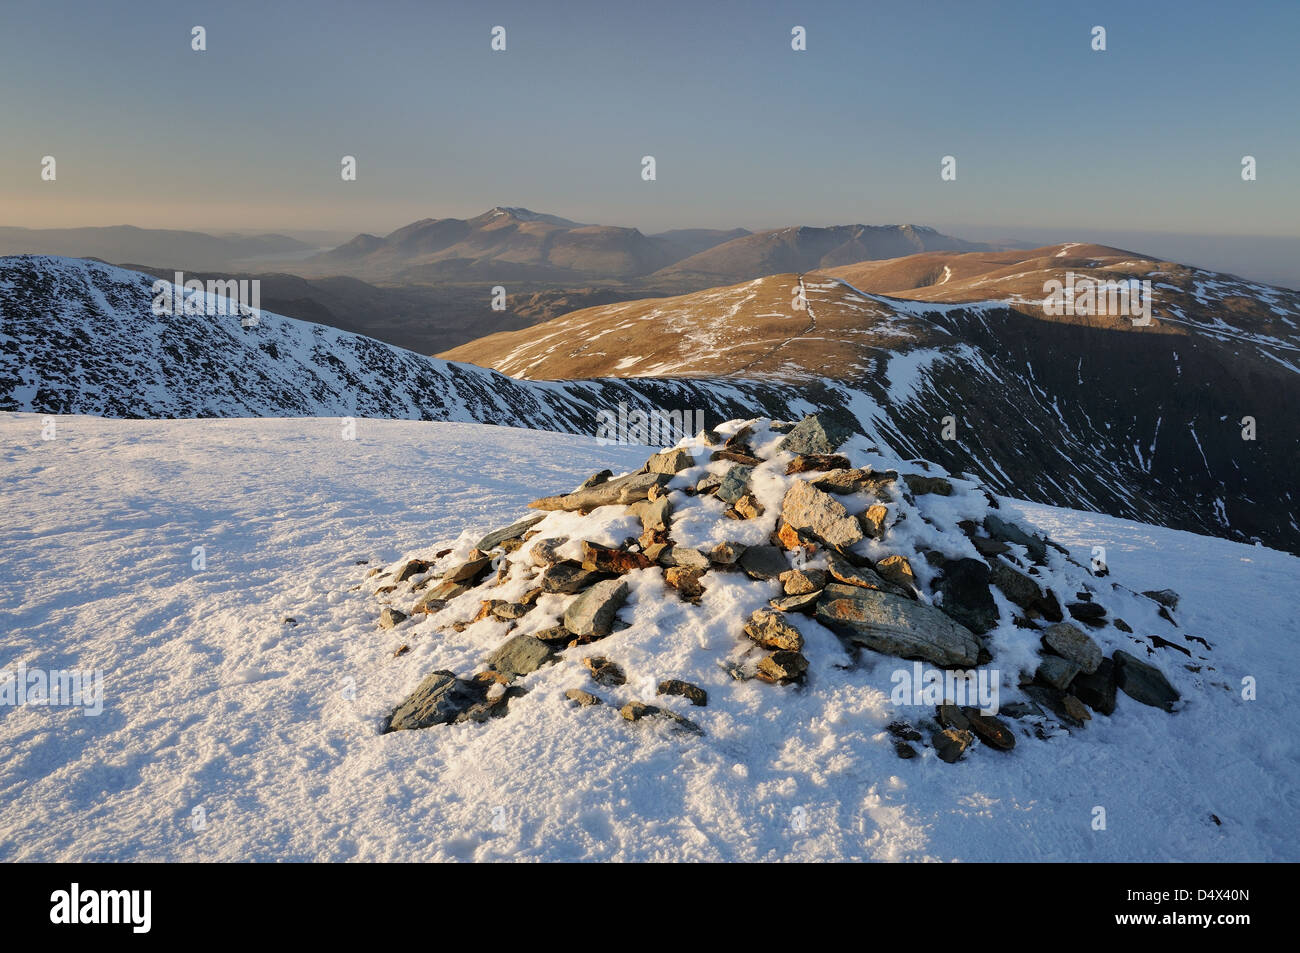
{"points": [[1147, 135]]}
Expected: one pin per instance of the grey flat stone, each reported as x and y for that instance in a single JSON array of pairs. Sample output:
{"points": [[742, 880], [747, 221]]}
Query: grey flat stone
{"points": [[895, 625], [592, 613]]}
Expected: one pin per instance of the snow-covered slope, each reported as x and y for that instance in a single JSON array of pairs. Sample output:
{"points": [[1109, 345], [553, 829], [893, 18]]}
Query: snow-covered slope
{"points": [[214, 702], [79, 336]]}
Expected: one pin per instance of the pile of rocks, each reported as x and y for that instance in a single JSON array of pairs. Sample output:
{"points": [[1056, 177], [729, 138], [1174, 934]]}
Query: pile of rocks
{"points": [[905, 564]]}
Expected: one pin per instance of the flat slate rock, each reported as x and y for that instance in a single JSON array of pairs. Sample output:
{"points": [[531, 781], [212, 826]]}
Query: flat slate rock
{"points": [[592, 613], [920, 484], [1144, 683], [726, 554], [1009, 532], [898, 570], [640, 711], [872, 520], [469, 572], [389, 617], [1097, 690], [814, 462], [652, 513], [600, 476], [797, 582], [521, 655], [896, 625], [1053, 700], [513, 531], [764, 562], [966, 595], [1015, 585], [686, 558], [1089, 613], [1071, 642], [438, 700], [735, 483], [1056, 671], [1166, 597], [858, 480], [412, 567], [801, 603], [819, 433], [546, 552], [569, 577], [598, 558], [635, 711], [862, 576], [441, 593], [624, 490], [987, 546], [554, 635], [781, 667], [950, 716], [739, 455], [605, 671], [584, 699]]}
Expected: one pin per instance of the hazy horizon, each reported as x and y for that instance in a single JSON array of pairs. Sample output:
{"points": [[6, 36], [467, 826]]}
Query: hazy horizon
{"points": [[966, 230], [1272, 259]]}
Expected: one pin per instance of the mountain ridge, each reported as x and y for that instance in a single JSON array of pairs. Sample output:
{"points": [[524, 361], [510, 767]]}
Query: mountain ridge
{"points": [[1139, 424], [1183, 422], [508, 243]]}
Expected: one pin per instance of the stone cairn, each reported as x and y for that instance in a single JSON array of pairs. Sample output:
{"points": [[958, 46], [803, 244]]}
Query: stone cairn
{"points": [[933, 603]]}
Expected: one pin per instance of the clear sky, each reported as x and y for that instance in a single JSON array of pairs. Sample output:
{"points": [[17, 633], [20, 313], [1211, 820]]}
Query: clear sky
{"points": [[1147, 135]]}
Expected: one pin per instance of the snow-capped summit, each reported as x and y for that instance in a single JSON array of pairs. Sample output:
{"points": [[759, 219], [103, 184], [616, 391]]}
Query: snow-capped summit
{"points": [[246, 689]]}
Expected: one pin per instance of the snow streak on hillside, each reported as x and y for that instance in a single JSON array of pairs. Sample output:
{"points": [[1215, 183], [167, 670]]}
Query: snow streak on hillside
{"points": [[214, 701]]}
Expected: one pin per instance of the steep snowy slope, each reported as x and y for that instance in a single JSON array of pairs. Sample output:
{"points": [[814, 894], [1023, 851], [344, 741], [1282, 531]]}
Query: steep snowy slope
{"points": [[229, 733], [78, 336]]}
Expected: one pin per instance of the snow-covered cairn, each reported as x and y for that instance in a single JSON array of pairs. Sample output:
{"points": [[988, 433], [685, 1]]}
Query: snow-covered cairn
{"points": [[738, 549]]}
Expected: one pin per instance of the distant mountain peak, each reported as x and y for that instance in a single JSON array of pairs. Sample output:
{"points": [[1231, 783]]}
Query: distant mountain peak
{"points": [[521, 214], [800, 248]]}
